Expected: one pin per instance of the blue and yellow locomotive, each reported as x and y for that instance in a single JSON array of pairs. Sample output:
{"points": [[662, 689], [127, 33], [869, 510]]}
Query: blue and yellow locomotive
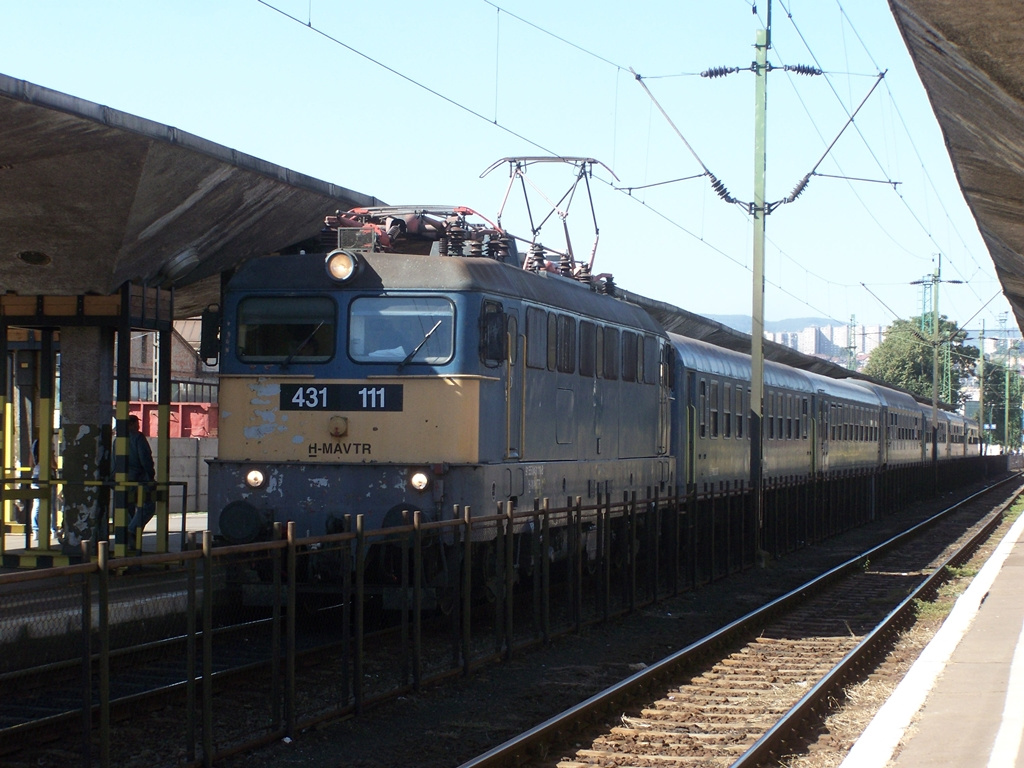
{"points": [[417, 366]]}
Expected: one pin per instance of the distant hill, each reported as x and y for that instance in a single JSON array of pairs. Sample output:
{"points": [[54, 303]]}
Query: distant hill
{"points": [[742, 323]]}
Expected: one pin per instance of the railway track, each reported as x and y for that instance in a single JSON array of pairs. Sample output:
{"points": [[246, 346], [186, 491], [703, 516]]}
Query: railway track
{"points": [[743, 695], [242, 681]]}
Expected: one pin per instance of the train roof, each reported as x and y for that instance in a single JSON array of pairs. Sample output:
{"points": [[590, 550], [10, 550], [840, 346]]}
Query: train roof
{"points": [[443, 274], [708, 358], [893, 398]]}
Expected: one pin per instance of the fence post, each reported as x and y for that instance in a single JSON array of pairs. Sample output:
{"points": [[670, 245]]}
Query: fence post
{"points": [[86, 661], [509, 575], [207, 649], [467, 588], [275, 631], [104, 659], [417, 598], [190, 651], [357, 665]]}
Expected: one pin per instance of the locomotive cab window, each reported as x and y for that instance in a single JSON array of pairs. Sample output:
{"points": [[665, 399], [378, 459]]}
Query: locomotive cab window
{"points": [[286, 329], [397, 329]]}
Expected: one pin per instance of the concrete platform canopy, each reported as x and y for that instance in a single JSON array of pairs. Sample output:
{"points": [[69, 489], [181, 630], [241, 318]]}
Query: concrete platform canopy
{"points": [[93, 198], [970, 57]]}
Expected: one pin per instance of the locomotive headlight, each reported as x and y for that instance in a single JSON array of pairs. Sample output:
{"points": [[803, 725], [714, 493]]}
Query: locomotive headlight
{"points": [[254, 478], [418, 481], [342, 265]]}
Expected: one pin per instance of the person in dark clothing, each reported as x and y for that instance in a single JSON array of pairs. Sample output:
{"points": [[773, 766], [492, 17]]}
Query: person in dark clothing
{"points": [[140, 470], [35, 502]]}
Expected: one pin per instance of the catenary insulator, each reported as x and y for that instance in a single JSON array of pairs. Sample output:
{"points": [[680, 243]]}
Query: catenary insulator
{"points": [[720, 189], [802, 69], [718, 72], [798, 188]]}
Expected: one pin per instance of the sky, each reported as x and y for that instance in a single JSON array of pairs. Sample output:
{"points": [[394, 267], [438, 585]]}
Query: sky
{"points": [[412, 102]]}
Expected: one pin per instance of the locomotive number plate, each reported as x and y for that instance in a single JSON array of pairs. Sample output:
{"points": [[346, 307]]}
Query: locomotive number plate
{"points": [[341, 397]]}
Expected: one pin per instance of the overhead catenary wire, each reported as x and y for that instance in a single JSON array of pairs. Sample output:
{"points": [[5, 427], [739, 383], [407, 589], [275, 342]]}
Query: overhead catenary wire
{"points": [[494, 121]]}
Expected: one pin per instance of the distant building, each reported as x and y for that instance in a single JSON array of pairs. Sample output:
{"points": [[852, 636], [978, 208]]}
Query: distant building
{"points": [[193, 383], [833, 342]]}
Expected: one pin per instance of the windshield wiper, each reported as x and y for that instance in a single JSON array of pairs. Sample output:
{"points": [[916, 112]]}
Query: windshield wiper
{"points": [[411, 355], [301, 346]]}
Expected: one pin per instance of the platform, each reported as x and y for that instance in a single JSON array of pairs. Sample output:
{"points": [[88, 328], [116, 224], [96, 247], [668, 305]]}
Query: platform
{"points": [[962, 703], [17, 556]]}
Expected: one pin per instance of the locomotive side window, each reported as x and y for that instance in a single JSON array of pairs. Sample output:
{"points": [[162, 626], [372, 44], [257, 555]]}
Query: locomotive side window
{"points": [[536, 337], [652, 361], [286, 329], [566, 344], [629, 357], [552, 341], [611, 353], [588, 348], [493, 338], [398, 329]]}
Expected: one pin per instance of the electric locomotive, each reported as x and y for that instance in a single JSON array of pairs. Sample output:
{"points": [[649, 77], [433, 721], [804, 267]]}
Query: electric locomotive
{"points": [[418, 364]]}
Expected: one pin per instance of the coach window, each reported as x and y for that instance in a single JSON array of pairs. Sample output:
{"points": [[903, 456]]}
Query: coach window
{"points": [[702, 405], [727, 411], [286, 329], [803, 419], [629, 358], [536, 337], [611, 353], [789, 417], [714, 409], [588, 348], [739, 412], [771, 416]]}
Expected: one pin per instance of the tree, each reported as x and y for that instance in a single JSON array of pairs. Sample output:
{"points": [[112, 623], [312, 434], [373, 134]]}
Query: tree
{"points": [[904, 358], [999, 385]]}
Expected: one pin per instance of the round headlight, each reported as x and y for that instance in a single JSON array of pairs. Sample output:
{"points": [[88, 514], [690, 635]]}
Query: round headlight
{"points": [[418, 481], [342, 265], [254, 478]]}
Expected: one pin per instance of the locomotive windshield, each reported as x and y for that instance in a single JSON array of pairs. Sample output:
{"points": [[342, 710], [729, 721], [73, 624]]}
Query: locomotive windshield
{"points": [[388, 329], [286, 329]]}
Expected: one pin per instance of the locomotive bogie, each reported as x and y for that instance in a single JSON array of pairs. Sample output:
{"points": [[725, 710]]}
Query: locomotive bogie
{"points": [[317, 497]]}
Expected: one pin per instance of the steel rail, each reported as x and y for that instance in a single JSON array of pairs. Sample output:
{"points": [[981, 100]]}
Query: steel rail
{"points": [[815, 700], [521, 749]]}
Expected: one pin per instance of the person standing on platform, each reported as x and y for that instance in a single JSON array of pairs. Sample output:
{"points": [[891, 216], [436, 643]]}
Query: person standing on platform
{"points": [[35, 502], [140, 470]]}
